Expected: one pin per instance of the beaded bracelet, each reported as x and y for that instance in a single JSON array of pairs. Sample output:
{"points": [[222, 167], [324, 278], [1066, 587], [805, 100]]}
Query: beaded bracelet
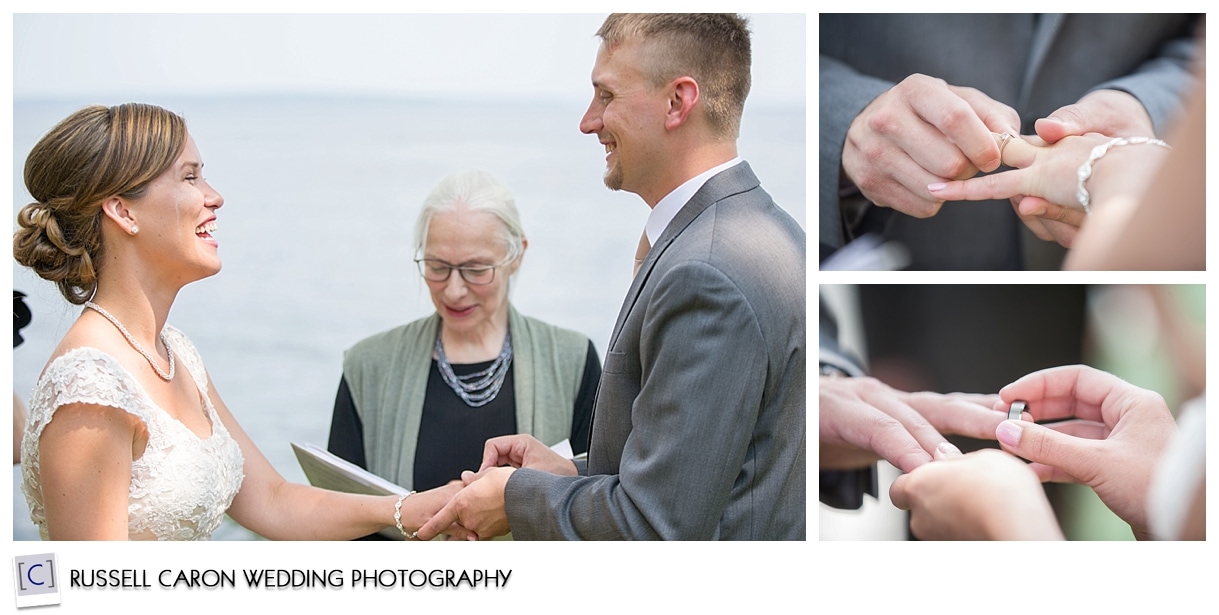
{"points": [[1085, 169], [398, 517]]}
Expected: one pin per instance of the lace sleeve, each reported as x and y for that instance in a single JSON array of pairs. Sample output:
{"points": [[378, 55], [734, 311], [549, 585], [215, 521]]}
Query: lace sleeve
{"points": [[181, 485], [82, 375], [85, 376]]}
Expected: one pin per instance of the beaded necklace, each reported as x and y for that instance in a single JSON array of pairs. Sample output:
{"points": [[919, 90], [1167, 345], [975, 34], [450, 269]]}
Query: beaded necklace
{"points": [[479, 388], [134, 344]]}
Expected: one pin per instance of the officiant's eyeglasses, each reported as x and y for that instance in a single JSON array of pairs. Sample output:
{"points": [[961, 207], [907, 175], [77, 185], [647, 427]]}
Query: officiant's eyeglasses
{"points": [[434, 270]]}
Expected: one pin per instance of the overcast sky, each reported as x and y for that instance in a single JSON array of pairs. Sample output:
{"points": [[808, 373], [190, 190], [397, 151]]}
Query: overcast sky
{"points": [[519, 56]]}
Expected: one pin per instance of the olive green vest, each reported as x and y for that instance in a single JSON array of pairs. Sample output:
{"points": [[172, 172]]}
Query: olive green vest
{"points": [[388, 373]]}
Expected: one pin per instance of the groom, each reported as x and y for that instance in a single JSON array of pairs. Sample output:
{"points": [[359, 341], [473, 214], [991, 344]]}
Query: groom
{"points": [[699, 424]]}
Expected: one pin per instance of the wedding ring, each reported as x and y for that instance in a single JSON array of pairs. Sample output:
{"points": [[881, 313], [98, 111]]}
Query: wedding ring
{"points": [[1003, 139], [1016, 410]]}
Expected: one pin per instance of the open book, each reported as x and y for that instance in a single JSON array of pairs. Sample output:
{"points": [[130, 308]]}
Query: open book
{"points": [[329, 471]]}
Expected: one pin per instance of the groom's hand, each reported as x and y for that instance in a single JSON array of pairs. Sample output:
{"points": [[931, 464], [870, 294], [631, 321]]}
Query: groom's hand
{"points": [[479, 507], [524, 451], [921, 131], [1112, 113]]}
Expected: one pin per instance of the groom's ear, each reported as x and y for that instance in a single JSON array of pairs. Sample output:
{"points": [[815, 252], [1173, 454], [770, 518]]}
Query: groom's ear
{"points": [[683, 96]]}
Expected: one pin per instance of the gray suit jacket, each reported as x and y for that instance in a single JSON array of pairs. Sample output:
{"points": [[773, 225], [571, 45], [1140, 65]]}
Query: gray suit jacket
{"points": [[845, 488], [1035, 64], [699, 424]]}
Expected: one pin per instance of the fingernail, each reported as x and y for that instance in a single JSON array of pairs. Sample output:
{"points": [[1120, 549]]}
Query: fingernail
{"points": [[936, 187], [1008, 432], [1035, 210], [946, 449]]}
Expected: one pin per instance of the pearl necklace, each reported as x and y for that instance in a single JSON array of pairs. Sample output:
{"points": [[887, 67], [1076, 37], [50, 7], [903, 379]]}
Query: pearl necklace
{"points": [[479, 388], [134, 344]]}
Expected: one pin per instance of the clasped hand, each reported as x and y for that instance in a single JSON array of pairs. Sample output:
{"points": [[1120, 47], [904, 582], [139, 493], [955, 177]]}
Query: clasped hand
{"points": [[1113, 435], [478, 509], [918, 144], [1043, 187]]}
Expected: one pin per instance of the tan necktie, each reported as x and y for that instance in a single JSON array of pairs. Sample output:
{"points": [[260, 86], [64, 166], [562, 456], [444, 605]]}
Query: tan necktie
{"points": [[641, 252]]}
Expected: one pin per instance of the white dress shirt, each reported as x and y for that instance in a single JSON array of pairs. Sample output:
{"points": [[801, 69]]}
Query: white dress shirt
{"points": [[667, 208]]}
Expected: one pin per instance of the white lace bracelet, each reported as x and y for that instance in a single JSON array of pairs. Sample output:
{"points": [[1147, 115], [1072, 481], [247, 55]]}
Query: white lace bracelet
{"points": [[398, 517], [1085, 169]]}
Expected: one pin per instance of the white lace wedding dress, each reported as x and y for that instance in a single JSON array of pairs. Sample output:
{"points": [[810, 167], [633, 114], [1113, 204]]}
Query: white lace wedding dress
{"points": [[182, 484]]}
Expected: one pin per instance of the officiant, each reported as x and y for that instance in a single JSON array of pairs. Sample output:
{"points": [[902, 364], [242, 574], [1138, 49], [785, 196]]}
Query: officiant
{"points": [[417, 402]]}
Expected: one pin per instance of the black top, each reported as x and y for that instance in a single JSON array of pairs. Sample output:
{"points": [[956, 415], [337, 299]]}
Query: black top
{"points": [[452, 434]]}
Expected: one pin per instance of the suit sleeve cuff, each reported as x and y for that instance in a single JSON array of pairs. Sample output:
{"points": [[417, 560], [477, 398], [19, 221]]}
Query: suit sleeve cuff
{"points": [[845, 489]]}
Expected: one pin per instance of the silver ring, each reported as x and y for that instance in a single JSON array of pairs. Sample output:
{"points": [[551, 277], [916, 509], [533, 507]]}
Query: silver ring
{"points": [[1016, 410], [1003, 139]]}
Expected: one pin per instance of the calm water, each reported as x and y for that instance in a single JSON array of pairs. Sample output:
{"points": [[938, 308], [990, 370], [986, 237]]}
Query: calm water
{"points": [[320, 198]]}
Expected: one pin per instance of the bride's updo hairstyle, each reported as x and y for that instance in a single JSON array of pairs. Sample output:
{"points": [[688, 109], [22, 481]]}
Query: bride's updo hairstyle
{"points": [[93, 154]]}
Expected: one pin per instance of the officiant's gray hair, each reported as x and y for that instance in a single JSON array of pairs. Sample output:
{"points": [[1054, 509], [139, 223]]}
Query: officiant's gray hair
{"points": [[473, 191]]}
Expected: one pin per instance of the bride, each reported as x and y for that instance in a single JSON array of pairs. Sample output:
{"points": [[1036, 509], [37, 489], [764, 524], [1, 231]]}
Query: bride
{"points": [[127, 437]]}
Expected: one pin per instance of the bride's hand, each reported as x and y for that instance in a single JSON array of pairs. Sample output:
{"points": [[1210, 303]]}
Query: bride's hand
{"points": [[421, 506], [1042, 186]]}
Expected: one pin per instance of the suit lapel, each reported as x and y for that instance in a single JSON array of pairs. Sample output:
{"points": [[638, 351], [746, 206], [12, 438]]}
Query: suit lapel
{"points": [[735, 180], [1048, 27]]}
